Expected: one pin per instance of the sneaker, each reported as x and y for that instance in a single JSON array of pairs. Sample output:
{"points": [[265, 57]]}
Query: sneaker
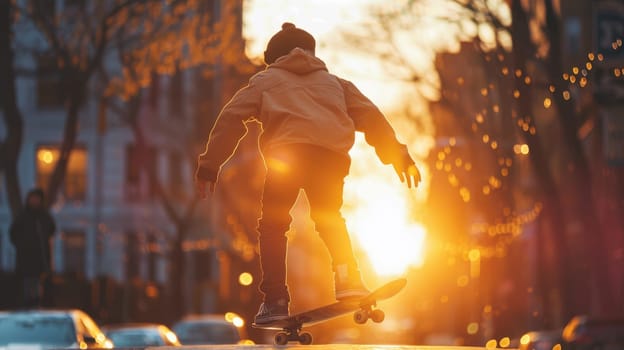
{"points": [[272, 311], [348, 283]]}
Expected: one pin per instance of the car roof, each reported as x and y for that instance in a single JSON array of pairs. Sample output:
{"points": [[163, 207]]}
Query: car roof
{"points": [[205, 317], [132, 325], [70, 312]]}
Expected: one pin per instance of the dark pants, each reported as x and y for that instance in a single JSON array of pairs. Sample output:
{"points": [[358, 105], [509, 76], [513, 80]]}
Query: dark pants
{"points": [[32, 291], [320, 173]]}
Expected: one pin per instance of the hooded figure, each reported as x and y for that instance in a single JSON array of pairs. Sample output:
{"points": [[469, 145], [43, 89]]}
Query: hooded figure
{"points": [[30, 234], [309, 118]]}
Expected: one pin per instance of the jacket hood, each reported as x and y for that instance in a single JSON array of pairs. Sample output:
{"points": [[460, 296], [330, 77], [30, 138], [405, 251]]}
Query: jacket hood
{"points": [[299, 62]]}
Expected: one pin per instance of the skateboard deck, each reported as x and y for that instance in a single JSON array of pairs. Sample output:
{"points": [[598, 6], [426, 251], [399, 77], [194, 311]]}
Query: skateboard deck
{"points": [[363, 309]]}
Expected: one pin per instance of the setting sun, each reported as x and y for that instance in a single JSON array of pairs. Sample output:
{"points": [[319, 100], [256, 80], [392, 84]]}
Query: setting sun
{"points": [[378, 213]]}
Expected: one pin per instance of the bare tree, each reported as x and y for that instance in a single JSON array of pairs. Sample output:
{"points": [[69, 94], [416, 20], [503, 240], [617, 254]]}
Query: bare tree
{"points": [[213, 44], [10, 147], [81, 36]]}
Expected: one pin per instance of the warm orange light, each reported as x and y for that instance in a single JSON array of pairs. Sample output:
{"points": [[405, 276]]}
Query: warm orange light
{"points": [[525, 339], [547, 102], [472, 328], [171, 337], [491, 344], [46, 156], [566, 95], [465, 194], [151, 291], [504, 342], [521, 149], [229, 316], [462, 281], [474, 255], [245, 279], [277, 165], [378, 215], [238, 322]]}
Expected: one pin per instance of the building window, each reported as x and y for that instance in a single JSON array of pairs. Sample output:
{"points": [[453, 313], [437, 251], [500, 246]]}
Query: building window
{"points": [[139, 184], [50, 91], [74, 244], [74, 186]]}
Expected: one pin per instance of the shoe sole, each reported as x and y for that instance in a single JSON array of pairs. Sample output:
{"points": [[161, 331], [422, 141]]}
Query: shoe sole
{"points": [[351, 294], [270, 319]]}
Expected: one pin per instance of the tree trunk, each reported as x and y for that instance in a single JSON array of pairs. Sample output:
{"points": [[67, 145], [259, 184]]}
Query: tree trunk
{"points": [[75, 102], [592, 234], [10, 148]]}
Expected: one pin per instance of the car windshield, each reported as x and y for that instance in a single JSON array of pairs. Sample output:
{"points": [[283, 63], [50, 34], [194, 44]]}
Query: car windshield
{"points": [[135, 337], [55, 330], [193, 333]]}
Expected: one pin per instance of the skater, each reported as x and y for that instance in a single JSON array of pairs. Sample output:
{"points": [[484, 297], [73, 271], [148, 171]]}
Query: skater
{"points": [[309, 119], [31, 232]]}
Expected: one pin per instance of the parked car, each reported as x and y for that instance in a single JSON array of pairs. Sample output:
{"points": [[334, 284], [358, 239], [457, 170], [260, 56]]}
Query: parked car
{"points": [[140, 334], [540, 340], [206, 329], [45, 329], [584, 332]]}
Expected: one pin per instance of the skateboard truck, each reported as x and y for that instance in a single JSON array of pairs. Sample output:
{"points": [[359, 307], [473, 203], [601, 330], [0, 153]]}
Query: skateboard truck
{"points": [[293, 334], [367, 312]]}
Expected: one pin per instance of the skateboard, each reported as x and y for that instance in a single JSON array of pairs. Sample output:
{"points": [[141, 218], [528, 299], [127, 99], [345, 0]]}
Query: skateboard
{"points": [[363, 309]]}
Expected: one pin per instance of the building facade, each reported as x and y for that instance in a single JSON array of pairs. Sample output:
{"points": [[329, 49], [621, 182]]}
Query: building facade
{"points": [[110, 218]]}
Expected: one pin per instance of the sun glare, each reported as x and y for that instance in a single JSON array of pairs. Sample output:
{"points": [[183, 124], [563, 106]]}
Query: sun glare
{"points": [[377, 211]]}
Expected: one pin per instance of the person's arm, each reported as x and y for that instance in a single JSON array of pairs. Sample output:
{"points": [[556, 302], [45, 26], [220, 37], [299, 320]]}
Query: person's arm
{"points": [[379, 134], [229, 128]]}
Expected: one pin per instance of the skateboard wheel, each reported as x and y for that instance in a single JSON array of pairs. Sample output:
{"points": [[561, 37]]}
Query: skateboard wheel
{"points": [[281, 338], [377, 316], [360, 316], [305, 338]]}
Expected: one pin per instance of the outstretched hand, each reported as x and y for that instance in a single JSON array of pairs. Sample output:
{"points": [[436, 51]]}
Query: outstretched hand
{"points": [[409, 174], [200, 186]]}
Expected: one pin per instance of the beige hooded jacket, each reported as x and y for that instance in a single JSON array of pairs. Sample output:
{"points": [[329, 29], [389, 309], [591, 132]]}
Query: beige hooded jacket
{"points": [[298, 101]]}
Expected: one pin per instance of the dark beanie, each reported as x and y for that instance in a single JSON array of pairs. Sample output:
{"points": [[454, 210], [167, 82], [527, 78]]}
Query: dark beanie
{"points": [[287, 39]]}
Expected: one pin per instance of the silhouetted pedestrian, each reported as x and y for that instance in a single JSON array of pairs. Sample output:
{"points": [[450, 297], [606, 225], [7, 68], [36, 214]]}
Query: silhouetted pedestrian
{"points": [[31, 232]]}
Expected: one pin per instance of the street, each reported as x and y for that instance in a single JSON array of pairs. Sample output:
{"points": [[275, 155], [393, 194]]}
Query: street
{"points": [[320, 347]]}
